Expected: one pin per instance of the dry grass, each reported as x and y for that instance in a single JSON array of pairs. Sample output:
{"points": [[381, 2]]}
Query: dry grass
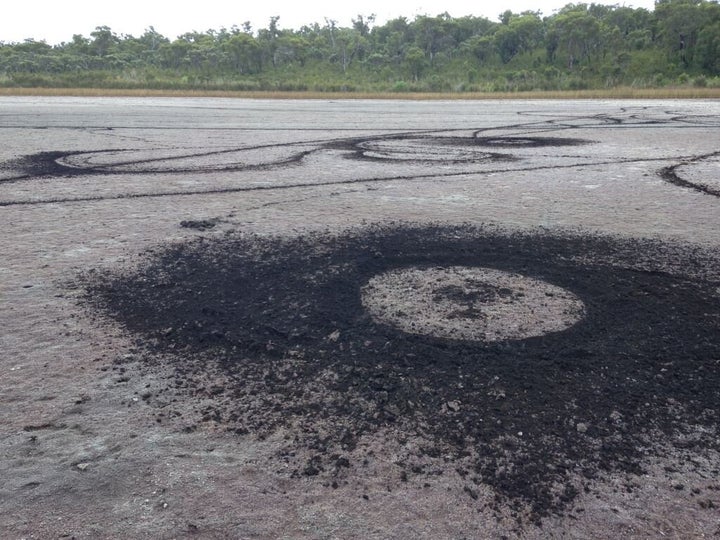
{"points": [[609, 93]]}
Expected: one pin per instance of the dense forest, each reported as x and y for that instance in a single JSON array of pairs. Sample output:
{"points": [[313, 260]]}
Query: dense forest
{"points": [[579, 47]]}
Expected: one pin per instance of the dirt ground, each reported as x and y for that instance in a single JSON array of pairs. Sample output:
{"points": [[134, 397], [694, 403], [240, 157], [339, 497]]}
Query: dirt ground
{"points": [[186, 352]]}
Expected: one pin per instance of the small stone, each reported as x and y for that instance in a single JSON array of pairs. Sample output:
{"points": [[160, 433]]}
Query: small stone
{"points": [[82, 466], [581, 427], [453, 406], [334, 336]]}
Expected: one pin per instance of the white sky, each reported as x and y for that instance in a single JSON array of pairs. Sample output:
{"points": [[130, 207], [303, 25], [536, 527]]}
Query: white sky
{"points": [[56, 21]]}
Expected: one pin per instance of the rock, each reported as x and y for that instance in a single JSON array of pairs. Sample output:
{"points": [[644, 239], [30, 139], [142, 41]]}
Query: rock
{"points": [[334, 336], [581, 427], [82, 466], [453, 406]]}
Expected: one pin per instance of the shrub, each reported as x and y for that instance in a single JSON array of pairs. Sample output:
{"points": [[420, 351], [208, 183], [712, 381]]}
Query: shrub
{"points": [[400, 86]]}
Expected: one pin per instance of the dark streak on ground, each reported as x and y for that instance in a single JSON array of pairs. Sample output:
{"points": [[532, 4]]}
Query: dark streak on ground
{"points": [[360, 149], [46, 164], [299, 185], [278, 326], [670, 174], [529, 142]]}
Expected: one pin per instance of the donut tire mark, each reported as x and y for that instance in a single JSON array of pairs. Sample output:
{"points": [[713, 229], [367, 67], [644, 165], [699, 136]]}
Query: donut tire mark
{"points": [[360, 148], [278, 325], [47, 164]]}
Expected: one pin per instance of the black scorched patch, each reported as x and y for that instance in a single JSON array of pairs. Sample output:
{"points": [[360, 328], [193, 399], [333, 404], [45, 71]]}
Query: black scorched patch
{"points": [[535, 419]]}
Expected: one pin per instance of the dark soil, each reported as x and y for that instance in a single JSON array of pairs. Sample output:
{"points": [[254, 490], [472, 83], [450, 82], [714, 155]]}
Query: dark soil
{"points": [[277, 324], [199, 224]]}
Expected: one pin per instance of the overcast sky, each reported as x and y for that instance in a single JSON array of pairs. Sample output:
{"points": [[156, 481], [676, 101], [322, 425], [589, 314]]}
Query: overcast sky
{"points": [[56, 21]]}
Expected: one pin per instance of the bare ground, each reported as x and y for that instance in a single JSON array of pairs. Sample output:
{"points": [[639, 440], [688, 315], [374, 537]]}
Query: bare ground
{"points": [[100, 442]]}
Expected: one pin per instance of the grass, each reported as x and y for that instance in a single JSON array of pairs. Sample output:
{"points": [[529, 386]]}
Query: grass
{"points": [[683, 92]]}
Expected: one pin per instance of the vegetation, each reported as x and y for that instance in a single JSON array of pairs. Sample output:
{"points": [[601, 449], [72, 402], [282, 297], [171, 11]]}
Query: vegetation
{"points": [[581, 47]]}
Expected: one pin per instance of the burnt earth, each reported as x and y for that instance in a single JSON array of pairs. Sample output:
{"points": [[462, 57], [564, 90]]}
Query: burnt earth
{"points": [[199, 224], [528, 142], [278, 328]]}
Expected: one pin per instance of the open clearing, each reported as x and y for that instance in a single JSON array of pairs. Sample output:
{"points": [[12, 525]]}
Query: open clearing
{"points": [[359, 319]]}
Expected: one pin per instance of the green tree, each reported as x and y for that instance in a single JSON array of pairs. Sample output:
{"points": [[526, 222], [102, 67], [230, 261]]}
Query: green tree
{"points": [[577, 32], [175, 55], [243, 53], [679, 24], [480, 47], [104, 40], [708, 48], [521, 33], [415, 61], [393, 38]]}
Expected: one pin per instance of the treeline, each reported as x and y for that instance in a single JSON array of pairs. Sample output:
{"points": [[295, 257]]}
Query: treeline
{"points": [[581, 46]]}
